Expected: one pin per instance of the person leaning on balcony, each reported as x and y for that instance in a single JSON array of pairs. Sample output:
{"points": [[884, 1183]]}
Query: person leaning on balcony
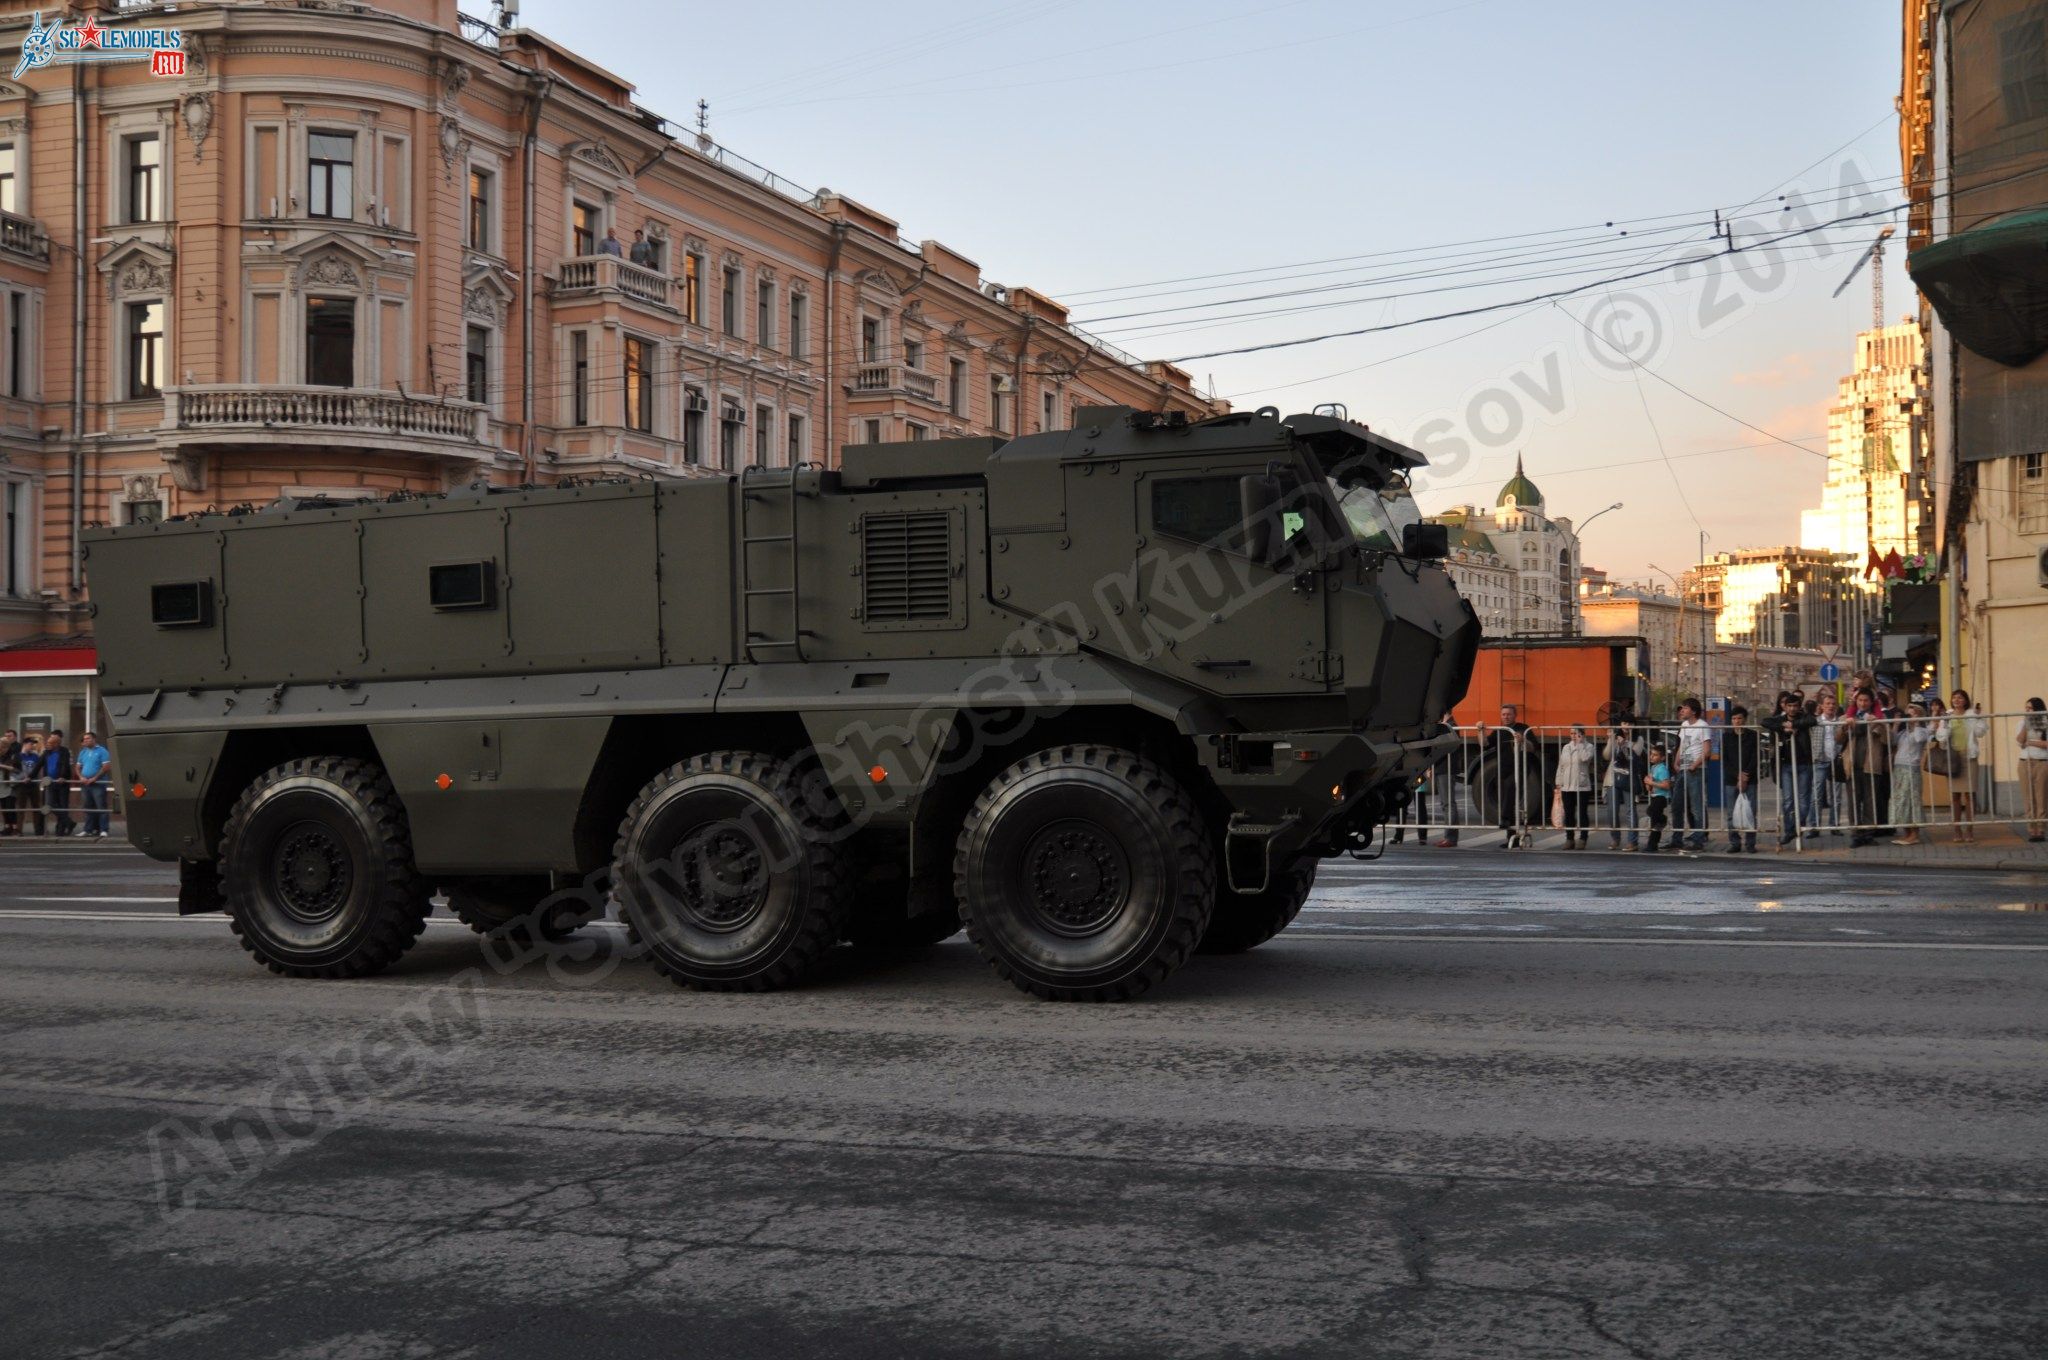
{"points": [[1867, 751], [610, 244], [2034, 768], [642, 250], [1909, 743]]}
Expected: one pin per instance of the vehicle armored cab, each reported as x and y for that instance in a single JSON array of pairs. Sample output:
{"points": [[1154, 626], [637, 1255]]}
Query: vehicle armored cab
{"points": [[1103, 695]]}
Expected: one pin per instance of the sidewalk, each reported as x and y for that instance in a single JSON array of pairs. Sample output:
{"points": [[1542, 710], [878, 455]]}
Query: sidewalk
{"points": [[1997, 847]]}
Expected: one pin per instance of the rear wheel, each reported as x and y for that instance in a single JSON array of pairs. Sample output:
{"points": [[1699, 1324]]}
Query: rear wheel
{"points": [[728, 873], [1247, 920], [516, 908], [1083, 874], [316, 869]]}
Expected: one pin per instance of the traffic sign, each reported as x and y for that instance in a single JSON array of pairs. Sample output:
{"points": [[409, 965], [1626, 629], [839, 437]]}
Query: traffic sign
{"points": [[1830, 671]]}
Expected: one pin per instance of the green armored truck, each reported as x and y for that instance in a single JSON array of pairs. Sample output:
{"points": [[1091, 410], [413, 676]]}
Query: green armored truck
{"points": [[1103, 696]]}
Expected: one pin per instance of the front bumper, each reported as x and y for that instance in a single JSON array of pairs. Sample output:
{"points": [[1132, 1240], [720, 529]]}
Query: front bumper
{"points": [[1296, 794]]}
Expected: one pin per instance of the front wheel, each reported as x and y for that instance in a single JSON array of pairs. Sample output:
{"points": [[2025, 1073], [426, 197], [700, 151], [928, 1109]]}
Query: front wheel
{"points": [[1083, 874], [316, 870]]}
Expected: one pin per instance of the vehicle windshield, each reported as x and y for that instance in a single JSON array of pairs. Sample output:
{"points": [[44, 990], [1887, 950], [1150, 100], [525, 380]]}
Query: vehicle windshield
{"points": [[1377, 516]]}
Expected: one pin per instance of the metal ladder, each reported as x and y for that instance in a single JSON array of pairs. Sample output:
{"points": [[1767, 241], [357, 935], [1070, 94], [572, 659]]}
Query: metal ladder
{"points": [[756, 485]]}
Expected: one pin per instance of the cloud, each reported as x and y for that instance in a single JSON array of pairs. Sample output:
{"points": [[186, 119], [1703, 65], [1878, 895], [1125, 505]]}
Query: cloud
{"points": [[1786, 370]]}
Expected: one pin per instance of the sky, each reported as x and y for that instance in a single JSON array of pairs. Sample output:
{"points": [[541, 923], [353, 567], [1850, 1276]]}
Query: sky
{"points": [[1407, 158]]}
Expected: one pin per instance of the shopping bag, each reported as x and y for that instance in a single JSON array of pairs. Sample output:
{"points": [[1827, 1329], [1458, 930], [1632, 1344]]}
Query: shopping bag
{"points": [[1557, 809], [1742, 814]]}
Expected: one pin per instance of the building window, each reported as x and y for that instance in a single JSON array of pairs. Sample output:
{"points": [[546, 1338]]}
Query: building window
{"points": [[1048, 410], [956, 386], [142, 512], [693, 425], [583, 229], [482, 196], [693, 288], [144, 160], [639, 386], [764, 314], [797, 451], [913, 354], [476, 365], [799, 325], [330, 174], [764, 435], [17, 547], [998, 408], [870, 340], [331, 342], [731, 420], [914, 432], [145, 349], [729, 303], [10, 178], [579, 377], [17, 338], [2033, 495]]}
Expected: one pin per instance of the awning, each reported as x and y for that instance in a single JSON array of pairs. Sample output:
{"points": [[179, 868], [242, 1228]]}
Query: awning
{"points": [[1990, 286]]}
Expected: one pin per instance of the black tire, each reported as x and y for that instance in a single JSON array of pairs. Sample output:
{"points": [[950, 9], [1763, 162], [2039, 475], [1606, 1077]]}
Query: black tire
{"points": [[517, 908], [1247, 920], [1083, 874], [881, 897], [728, 874], [316, 868]]}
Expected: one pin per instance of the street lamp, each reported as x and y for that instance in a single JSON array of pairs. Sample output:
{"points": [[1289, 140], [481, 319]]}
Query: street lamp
{"points": [[1678, 655], [1579, 536]]}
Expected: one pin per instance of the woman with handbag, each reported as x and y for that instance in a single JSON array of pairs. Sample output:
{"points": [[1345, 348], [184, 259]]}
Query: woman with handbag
{"points": [[1574, 785], [1962, 741]]}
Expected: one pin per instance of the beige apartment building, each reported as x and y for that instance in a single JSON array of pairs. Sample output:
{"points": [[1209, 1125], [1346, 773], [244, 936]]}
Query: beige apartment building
{"points": [[382, 248]]}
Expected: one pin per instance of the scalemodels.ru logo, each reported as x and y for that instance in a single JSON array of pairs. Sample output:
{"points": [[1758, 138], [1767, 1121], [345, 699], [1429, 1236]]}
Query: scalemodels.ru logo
{"points": [[162, 48]]}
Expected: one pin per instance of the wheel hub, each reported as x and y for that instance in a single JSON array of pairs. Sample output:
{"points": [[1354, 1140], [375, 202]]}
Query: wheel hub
{"points": [[723, 881], [310, 870], [1077, 878]]}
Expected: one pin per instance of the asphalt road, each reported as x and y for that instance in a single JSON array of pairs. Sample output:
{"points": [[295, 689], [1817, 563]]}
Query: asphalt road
{"points": [[1475, 1104]]}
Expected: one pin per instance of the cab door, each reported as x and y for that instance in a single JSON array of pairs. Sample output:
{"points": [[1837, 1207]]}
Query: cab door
{"points": [[1205, 611]]}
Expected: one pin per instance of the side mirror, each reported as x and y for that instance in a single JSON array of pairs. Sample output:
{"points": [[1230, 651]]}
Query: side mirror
{"points": [[1258, 495], [1432, 541]]}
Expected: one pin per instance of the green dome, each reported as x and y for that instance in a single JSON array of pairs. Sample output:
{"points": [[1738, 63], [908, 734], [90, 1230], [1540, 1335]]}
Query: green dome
{"points": [[1519, 489]]}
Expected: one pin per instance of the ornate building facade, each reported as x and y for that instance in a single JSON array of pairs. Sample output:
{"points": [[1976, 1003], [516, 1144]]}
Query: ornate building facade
{"points": [[381, 248], [1517, 565]]}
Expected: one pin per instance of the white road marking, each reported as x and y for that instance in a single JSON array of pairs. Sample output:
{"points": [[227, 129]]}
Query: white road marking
{"points": [[92, 899]]}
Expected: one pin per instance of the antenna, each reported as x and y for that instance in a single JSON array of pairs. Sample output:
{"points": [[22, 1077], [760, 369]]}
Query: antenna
{"points": [[704, 124]]}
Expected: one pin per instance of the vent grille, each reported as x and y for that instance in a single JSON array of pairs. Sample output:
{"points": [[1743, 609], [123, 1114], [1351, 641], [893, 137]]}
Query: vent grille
{"points": [[907, 568]]}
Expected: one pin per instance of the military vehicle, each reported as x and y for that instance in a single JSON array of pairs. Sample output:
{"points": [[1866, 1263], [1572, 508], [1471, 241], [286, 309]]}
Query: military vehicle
{"points": [[1103, 695]]}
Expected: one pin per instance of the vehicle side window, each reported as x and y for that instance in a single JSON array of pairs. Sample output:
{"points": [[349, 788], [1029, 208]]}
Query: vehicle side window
{"points": [[1205, 509]]}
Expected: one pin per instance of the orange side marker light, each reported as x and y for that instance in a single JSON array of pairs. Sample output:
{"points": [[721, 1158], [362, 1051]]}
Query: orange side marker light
{"points": [[878, 774], [443, 782], [136, 790]]}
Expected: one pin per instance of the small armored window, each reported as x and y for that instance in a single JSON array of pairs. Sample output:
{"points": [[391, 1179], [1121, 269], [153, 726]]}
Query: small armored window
{"points": [[181, 604], [1205, 509], [462, 585]]}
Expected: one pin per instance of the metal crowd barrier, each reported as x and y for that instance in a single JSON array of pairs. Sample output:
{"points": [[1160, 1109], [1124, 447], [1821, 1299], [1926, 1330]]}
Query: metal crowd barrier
{"points": [[1901, 778]]}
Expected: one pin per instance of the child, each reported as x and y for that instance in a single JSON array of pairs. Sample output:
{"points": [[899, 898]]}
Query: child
{"points": [[1658, 783]]}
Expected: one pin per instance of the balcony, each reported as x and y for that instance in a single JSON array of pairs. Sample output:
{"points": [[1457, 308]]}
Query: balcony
{"points": [[887, 379], [254, 414], [23, 238], [597, 274]]}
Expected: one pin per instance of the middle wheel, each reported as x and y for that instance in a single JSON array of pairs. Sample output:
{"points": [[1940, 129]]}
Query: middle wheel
{"points": [[729, 875], [1084, 874]]}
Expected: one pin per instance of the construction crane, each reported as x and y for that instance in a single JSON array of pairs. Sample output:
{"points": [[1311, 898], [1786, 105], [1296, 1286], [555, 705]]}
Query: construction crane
{"points": [[1874, 257]]}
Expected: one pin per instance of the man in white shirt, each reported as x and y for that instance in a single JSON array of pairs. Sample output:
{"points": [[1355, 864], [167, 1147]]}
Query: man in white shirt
{"points": [[1689, 771]]}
